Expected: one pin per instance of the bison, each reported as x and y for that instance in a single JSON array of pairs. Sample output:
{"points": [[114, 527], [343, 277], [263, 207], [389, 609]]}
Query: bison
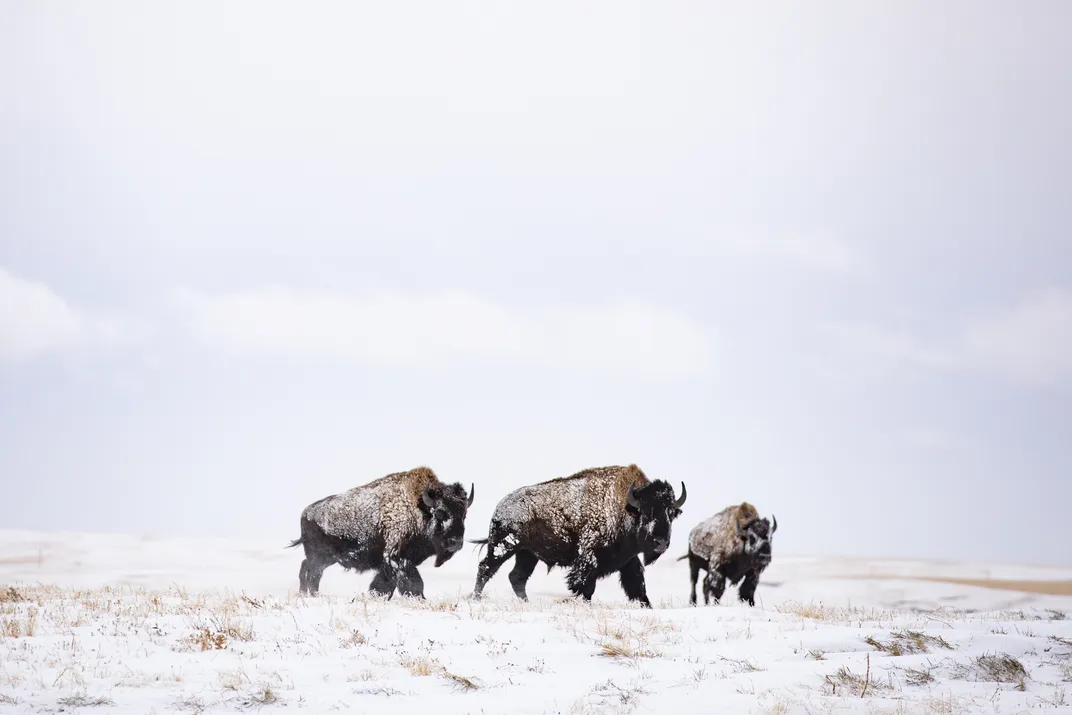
{"points": [[390, 525], [733, 544], [593, 523]]}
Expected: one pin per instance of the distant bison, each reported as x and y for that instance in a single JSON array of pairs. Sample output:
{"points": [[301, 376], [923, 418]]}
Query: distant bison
{"points": [[593, 523], [390, 525], [733, 544]]}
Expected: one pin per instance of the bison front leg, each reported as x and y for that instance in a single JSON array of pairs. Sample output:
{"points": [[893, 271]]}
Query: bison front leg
{"points": [[714, 585], [632, 578], [382, 585], [581, 578], [747, 591]]}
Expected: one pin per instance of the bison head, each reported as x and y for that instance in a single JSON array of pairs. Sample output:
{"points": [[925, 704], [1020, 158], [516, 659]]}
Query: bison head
{"points": [[757, 537], [446, 506], [654, 506]]}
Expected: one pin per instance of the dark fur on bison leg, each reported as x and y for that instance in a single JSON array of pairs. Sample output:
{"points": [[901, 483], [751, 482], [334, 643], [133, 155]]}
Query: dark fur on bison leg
{"points": [[409, 580], [714, 586], [382, 585], [581, 578], [524, 564], [309, 576], [632, 578], [491, 563], [747, 591], [695, 564]]}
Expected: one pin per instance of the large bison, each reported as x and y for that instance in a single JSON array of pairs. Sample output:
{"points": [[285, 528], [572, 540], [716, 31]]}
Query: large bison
{"points": [[390, 525], [733, 544], [593, 523]]}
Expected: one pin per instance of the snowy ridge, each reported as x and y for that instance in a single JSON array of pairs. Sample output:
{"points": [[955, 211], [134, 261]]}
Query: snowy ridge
{"points": [[211, 625]]}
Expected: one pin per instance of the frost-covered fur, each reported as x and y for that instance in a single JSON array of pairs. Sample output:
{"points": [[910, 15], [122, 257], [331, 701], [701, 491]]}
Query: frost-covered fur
{"points": [[390, 525], [733, 544], [586, 523]]}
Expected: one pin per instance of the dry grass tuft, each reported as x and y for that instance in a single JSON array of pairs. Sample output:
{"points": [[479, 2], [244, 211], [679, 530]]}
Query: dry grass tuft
{"points": [[355, 638], [461, 682], [997, 668], [8, 700], [10, 594], [743, 666], [377, 690], [816, 654], [81, 700], [203, 639], [422, 666], [260, 697], [620, 649], [908, 643], [845, 682], [919, 676]]}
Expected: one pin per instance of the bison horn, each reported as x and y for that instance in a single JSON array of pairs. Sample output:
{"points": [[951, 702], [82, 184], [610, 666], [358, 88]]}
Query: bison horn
{"points": [[472, 494], [429, 501], [681, 499], [631, 499], [774, 523]]}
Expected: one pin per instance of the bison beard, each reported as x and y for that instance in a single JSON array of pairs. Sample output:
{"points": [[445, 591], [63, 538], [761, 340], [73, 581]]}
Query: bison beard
{"points": [[594, 523]]}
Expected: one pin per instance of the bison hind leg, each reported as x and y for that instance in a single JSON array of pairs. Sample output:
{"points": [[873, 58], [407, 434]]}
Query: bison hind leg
{"points": [[498, 553], [695, 564], [524, 564], [309, 575]]}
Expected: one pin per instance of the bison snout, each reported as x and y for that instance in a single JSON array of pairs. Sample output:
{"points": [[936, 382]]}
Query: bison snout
{"points": [[662, 545], [454, 544]]}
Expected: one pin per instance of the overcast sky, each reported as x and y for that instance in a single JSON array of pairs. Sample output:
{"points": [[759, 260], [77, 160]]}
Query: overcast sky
{"points": [[816, 257]]}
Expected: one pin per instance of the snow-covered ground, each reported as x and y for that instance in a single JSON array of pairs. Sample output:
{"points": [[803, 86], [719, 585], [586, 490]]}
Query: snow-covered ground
{"points": [[127, 624]]}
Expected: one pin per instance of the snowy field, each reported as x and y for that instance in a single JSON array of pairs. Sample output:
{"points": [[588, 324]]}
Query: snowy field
{"points": [[124, 624]]}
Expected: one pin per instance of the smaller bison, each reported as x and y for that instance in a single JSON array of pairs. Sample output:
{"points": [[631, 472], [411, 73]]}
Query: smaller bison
{"points": [[594, 523], [733, 544], [390, 525]]}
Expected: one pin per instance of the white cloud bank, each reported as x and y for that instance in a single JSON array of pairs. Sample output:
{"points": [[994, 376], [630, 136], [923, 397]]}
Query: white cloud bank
{"points": [[426, 330], [1029, 343], [35, 322]]}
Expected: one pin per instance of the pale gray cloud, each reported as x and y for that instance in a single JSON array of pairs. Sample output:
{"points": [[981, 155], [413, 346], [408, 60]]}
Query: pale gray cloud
{"points": [[434, 329], [1029, 343], [37, 322]]}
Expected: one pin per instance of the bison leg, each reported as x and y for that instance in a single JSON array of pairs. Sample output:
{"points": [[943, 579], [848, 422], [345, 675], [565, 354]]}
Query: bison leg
{"points": [[581, 579], [489, 565], [309, 575], [382, 585], [410, 582], [747, 591], [695, 564], [714, 585], [524, 564], [632, 578]]}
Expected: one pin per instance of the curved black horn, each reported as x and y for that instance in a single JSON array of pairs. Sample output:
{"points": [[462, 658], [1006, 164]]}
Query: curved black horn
{"points": [[632, 500], [427, 496], [472, 494], [681, 499], [774, 523]]}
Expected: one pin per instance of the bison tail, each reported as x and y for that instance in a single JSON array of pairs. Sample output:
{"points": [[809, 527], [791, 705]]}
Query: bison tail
{"points": [[294, 543], [480, 544], [682, 558]]}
